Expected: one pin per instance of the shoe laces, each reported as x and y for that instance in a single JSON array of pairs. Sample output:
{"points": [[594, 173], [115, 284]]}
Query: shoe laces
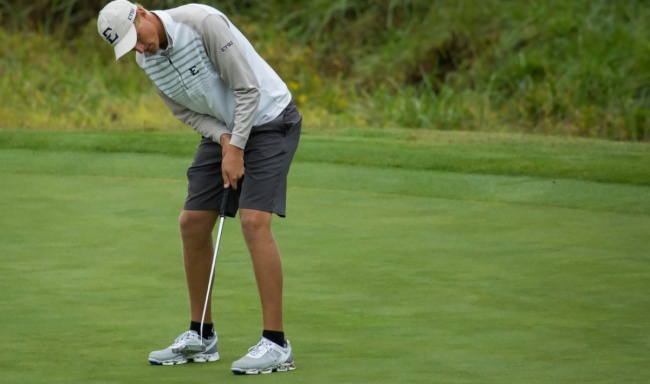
{"points": [[184, 338], [260, 349]]}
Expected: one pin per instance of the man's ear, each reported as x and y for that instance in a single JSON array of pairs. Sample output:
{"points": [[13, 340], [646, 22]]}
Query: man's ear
{"points": [[141, 12]]}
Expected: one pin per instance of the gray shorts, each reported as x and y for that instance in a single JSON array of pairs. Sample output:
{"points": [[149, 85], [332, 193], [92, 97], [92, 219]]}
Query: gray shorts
{"points": [[267, 157]]}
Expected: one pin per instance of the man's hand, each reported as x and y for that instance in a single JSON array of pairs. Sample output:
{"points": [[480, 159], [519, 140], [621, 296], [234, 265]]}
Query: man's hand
{"points": [[232, 163]]}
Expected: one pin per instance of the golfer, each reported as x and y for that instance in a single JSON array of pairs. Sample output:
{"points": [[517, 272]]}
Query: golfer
{"points": [[212, 79]]}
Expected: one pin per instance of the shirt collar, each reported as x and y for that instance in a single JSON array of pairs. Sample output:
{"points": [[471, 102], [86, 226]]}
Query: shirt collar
{"points": [[170, 28]]}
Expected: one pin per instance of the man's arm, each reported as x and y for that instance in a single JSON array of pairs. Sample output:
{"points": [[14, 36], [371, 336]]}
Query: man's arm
{"points": [[206, 125], [231, 64], [232, 158]]}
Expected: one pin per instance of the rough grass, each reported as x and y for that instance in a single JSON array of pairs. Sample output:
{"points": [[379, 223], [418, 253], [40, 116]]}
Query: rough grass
{"points": [[577, 68]]}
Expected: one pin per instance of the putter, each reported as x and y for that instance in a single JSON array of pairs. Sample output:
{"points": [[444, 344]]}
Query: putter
{"points": [[222, 216]]}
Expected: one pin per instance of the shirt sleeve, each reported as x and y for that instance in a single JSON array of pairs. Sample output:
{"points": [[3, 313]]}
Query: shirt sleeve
{"points": [[233, 67], [208, 126]]}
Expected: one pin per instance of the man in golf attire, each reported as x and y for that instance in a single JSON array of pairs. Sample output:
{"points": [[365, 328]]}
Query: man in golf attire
{"points": [[212, 79]]}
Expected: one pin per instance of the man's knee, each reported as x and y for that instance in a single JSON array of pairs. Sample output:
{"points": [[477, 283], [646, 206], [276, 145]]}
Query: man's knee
{"points": [[253, 221], [196, 223]]}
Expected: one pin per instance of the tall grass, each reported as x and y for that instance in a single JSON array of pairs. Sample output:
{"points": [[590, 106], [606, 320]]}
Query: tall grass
{"points": [[577, 68]]}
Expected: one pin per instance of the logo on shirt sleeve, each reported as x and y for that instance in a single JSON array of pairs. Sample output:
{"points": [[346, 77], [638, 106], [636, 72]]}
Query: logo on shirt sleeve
{"points": [[228, 45]]}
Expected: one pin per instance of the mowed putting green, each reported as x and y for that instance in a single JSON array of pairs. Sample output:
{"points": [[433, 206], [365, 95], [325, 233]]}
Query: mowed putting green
{"points": [[391, 275]]}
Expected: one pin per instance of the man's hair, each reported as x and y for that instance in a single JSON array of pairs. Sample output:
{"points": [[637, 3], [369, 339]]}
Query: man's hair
{"points": [[136, 21]]}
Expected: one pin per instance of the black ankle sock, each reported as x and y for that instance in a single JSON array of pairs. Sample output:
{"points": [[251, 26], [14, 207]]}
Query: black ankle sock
{"points": [[208, 329], [275, 336]]}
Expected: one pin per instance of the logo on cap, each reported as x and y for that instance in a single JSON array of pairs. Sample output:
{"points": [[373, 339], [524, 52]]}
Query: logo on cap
{"points": [[107, 32], [115, 24], [107, 35]]}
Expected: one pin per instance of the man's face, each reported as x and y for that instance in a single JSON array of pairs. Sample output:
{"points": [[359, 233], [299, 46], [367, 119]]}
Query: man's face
{"points": [[147, 35]]}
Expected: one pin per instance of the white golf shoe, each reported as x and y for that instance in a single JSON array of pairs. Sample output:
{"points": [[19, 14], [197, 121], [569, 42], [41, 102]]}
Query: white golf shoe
{"points": [[187, 347], [265, 357]]}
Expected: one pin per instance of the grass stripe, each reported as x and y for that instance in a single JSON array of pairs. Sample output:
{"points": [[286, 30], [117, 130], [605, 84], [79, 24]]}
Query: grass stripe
{"points": [[334, 177], [513, 155]]}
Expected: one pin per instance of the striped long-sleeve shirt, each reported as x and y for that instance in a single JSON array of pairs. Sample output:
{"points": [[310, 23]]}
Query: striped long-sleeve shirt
{"points": [[211, 77]]}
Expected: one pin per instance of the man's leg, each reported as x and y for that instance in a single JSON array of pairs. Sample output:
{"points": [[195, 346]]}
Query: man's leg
{"points": [[267, 265], [269, 151], [196, 232], [267, 356]]}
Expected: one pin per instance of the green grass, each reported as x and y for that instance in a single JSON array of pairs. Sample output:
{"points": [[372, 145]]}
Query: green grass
{"points": [[410, 271], [465, 152]]}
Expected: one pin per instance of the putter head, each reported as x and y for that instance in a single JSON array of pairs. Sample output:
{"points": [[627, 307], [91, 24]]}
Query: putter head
{"points": [[190, 349]]}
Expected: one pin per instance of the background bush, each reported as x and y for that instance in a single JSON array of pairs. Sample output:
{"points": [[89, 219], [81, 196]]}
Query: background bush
{"points": [[578, 67]]}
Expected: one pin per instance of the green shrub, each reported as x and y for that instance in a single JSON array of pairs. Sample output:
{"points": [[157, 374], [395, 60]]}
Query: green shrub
{"points": [[557, 67]]}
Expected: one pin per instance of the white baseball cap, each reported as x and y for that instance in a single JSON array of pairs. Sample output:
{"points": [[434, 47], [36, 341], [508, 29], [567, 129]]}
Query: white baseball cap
{"points": [[115, 25]]}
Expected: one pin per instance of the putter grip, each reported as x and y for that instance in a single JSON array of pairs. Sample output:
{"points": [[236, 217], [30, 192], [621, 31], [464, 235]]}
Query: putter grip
{"points": [[224, 203]]}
